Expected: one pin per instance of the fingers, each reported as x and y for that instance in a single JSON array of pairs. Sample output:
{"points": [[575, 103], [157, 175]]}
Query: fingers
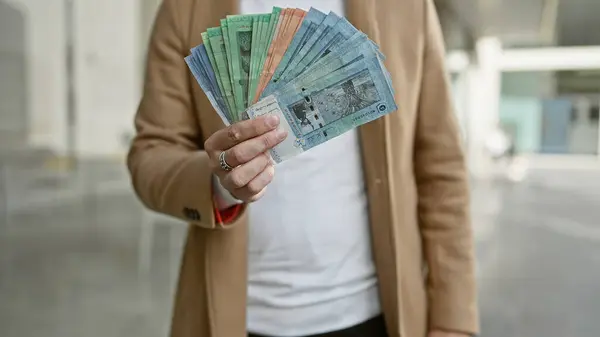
{"points": [[257, 186], [245, 145], [243, 175], [240, 132], [246, 151], [258, 195]]}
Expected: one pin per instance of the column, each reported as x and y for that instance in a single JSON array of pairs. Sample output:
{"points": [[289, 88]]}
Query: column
{"points": [[482, 103], [598, 133]]}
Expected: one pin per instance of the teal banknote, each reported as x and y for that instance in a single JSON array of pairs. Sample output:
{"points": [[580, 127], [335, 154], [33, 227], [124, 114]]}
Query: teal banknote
{"points": [[331, 106], [334, 36], [344, 54]]}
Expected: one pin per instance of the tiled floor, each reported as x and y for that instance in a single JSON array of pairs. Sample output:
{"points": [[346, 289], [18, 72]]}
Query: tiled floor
{"points": [[96, 265], [539, 258], [90, 262]]}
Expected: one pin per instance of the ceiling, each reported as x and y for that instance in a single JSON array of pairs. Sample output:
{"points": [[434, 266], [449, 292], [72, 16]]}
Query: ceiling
{"points": [[578, 22], [521, 23]]}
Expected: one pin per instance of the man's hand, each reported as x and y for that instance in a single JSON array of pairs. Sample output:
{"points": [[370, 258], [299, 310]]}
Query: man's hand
{"points": [[245, 144], [440, 333]]}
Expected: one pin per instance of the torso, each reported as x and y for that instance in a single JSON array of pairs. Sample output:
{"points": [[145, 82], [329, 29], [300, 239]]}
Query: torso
{"points": [[211, 297]]}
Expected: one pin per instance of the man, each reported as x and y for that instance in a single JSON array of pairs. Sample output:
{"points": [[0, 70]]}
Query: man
{"points": [[366, 235]]}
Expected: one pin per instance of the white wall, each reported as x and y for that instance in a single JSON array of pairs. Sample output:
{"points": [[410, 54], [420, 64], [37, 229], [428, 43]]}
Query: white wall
{"points": [[482, 103], [108, 73], [45, 69]]}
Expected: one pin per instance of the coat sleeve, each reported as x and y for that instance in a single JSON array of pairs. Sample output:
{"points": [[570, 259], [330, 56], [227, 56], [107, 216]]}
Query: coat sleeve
{"points": [[442, 181], [169, 170]]}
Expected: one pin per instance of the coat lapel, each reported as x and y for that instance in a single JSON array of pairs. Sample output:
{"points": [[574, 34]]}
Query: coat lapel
{"points": [[220, 266], [374, 138]]}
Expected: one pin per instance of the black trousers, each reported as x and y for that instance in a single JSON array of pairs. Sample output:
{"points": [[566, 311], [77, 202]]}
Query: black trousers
{"points": [[374, 327]]}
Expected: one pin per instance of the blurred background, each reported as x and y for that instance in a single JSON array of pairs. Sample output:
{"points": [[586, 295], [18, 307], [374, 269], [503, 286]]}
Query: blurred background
{"points": [[79, 256]]}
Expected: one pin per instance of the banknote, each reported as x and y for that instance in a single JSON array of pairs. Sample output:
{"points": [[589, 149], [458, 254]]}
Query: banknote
{"points": [[291, 26], [240, 43], [309, 25], [335, 104], [225, 33], [202, 80], [295, 21], [316, 71], [214, 65], [344, 53], [320, 32], [280, 42], [259, 38], [277, 34], [253, 53], [272, 31], [217, 44], [272, 24], [200, 57], [356, 48], [267, 42], [335, 35]]}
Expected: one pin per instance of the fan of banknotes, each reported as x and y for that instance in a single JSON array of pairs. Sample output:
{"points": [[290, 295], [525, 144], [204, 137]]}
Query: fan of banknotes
{"points": [[316, 71]]}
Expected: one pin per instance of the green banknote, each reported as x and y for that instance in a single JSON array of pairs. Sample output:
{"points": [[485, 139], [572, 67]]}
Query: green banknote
{"points": [[240, 43], [253, 53], [273, 23], [215, 67], [215, 36], [258, 49], [225, 32]]}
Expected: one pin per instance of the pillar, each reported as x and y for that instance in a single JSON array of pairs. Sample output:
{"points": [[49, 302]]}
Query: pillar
{"points": [[482, 103]]}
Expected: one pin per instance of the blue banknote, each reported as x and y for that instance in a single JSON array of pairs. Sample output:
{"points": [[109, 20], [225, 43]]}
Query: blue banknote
{"points": [[320, 32], [211, 92], [200, 53], [355, 48], [335, 35], [346, 98]]}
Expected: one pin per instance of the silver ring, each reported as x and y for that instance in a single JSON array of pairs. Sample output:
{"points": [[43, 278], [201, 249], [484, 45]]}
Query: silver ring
{"points": [[223, 162]]}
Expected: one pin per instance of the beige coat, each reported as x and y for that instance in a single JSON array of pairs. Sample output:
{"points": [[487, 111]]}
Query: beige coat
{"points": [[413, 163]]}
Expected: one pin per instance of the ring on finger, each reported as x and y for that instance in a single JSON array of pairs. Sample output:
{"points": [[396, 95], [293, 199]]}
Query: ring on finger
{"points": [[223, 163]]}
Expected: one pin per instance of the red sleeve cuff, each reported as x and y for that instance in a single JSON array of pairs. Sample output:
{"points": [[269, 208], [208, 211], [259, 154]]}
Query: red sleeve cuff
{"points": [[226, 216]]}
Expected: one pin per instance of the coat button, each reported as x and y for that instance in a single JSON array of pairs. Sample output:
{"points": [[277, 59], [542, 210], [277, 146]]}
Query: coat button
{"points": [[191, 214]]}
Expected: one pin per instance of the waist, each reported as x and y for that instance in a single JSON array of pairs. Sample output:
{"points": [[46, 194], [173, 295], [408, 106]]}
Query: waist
{"points": [[331, 314], [374, 327]]}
